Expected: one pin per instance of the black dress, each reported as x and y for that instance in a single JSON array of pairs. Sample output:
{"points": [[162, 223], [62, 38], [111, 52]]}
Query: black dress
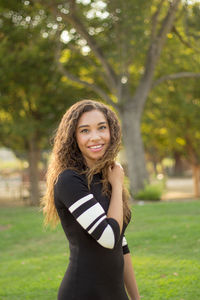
{"points": [[96, 264]]}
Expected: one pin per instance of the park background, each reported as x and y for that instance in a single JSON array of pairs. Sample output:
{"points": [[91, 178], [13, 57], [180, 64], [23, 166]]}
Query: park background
{"points": [[143, 59]]}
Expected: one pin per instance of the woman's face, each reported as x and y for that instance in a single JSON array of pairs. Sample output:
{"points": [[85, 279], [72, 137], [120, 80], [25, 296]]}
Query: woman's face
{"points": [[93, 136]]}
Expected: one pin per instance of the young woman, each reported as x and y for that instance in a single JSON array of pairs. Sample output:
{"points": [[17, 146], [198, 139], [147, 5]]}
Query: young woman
{"points": [[85, 191]]}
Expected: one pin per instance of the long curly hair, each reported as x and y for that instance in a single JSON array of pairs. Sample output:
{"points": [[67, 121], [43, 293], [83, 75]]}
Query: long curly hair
{"points": [[66, 155]]}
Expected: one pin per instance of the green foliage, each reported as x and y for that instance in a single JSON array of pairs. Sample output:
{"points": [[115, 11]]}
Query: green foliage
{"points": [[34, 95], [163, 239], [170, 122], [152, 192]]}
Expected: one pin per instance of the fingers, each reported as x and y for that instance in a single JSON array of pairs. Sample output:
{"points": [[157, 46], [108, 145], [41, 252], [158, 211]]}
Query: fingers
{"points": [[116, 166], [115, 174], [115, 169]]}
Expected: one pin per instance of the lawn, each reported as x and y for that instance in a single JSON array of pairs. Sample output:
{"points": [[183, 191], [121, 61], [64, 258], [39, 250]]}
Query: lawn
{"points": [[164, 239]]}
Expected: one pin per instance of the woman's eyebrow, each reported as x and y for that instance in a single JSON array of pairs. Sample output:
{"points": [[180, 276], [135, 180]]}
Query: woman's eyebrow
{"points": [[100, 123], [83, 126]]}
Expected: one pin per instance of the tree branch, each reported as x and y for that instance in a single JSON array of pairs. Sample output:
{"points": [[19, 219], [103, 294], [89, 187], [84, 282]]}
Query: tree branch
{"points": [[74, 20], [81, 29], [187, 44], [167, 22], [74, 78], [175, 76], [153, 56], [174, 29], [87, 59], [112, 78], [154, 20], [72, 5], [93, 87]]}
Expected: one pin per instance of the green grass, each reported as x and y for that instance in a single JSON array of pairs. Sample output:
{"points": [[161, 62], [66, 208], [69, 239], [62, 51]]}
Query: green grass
{"points": [[164, 239]]}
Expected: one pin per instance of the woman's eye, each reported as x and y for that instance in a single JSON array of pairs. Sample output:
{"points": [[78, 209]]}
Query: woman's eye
{"points": [[84, 130], [102, 127]]}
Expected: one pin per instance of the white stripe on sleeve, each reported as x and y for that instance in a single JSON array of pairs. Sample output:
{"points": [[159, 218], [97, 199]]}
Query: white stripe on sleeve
{"points": [[80, 202], [96, 224], [107, 238], [88, 216], [124, 242]]}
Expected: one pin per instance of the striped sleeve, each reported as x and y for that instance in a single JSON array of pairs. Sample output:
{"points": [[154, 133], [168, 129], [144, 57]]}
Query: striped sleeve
{"points": [[125, 246], [73, 192]]}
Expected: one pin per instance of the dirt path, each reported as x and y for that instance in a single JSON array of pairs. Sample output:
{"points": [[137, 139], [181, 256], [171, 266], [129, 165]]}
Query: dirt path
{"points": [[178, 189]]}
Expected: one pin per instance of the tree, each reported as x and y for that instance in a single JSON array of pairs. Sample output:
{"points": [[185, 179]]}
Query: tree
{"points": [[171, 125], [107, 38], [33, 94], [110, 36], [186, 136]]}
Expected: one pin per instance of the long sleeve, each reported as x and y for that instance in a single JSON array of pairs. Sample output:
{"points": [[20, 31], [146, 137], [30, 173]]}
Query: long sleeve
{"points": [[73, 192], [125, 247]]}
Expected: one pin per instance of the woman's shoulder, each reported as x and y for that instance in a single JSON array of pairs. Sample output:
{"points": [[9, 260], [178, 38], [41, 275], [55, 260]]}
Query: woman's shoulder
{"points": [[69, 175], [70, 183]]}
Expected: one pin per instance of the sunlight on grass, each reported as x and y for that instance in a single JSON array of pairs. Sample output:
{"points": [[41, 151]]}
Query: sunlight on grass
{"points": [[163, 239], [163, 278]]}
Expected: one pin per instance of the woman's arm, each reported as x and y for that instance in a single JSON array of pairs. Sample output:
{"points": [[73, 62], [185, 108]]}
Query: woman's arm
{"points": [[129, 278], [72, 190], [116, 178]]}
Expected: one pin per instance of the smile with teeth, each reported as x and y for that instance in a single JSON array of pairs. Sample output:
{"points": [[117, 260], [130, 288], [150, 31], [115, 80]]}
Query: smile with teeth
{"points": [[96, 147]]}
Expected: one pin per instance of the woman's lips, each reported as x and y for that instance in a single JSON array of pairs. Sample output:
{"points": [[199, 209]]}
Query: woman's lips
{"points": [[96, 148]]}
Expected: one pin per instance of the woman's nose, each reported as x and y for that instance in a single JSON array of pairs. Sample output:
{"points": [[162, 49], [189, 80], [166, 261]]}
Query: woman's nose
{"points": [[94, 136]]}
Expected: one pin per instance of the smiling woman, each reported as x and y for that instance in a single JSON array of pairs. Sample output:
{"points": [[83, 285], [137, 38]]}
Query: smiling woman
{"points": [[85, 191], [93, 136]]}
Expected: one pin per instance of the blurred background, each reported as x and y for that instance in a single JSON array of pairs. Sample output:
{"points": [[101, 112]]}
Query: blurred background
{"points": [[140, 57]]}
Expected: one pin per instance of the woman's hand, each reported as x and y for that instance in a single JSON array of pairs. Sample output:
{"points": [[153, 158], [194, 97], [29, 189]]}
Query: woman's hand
{"points": [[116, 174], [116, 179]]}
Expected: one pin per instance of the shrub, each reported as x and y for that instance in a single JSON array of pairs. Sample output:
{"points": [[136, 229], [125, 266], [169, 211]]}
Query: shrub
{"points": [[151, 192]]}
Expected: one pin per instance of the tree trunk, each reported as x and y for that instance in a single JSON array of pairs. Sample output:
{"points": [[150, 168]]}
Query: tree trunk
{"points": [[33, 160], [134, 150], [196, 180], [178, 166], [155, 167]]}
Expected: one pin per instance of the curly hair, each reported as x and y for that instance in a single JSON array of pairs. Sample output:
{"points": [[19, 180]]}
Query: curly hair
{"points": [[66, 155]]}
